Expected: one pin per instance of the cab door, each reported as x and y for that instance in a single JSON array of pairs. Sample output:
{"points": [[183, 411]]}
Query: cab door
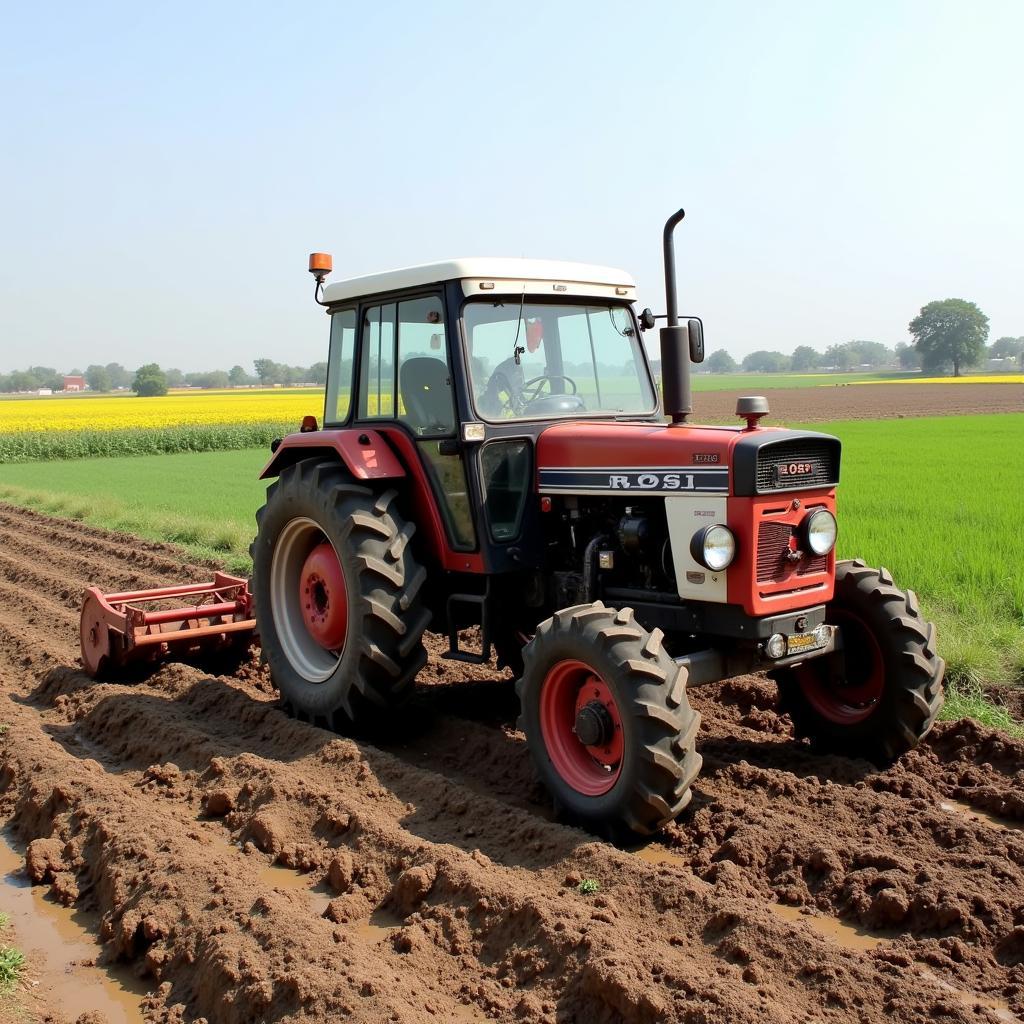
{"points": [[406, 378]]}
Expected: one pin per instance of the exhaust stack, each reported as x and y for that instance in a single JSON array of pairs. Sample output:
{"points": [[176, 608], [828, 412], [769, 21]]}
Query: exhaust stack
{"points": [[679, 344]]}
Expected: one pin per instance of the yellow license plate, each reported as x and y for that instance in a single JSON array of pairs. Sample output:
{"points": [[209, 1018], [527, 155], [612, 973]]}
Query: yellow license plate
{"points": [[799, 642]]}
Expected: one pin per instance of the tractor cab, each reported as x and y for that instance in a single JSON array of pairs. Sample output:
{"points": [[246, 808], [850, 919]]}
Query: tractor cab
{"points": [[458, 367]]}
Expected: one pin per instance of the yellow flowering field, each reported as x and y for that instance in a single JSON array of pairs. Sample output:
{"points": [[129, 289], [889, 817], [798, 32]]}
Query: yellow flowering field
{"points": [[988, 378], [80, 427], [180, 409]]}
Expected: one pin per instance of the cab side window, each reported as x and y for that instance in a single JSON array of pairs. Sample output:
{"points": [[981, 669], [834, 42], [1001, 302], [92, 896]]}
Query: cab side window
{"points": [[377, 391], [339, 366], [424, 379]]}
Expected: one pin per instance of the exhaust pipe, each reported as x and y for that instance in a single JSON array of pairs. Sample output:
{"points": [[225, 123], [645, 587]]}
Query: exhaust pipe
{"points": [[678, 343]]}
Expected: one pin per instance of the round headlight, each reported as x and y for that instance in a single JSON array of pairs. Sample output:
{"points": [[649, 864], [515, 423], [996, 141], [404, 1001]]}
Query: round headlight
{"points": [[714, 547], [821, 531]]}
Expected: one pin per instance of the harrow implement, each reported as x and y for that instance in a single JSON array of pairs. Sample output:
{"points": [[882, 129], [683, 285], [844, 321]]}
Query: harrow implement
{"points": [[194, 620]]}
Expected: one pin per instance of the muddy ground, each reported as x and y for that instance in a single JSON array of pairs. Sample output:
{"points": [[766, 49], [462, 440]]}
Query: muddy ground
{"points": [[865, 402], [422, 878]]}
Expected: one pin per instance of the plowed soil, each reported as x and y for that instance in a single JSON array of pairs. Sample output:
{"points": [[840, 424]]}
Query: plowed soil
{"points": [[421, 877], [866, 402]]}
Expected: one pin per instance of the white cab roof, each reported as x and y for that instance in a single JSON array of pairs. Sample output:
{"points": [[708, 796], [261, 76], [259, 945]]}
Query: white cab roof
{"points": [[505, 274]]}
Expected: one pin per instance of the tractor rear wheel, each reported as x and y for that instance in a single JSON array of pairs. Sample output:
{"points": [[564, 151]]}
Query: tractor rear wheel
{"points": [[607, 720], [879, 695], [336, 589]]}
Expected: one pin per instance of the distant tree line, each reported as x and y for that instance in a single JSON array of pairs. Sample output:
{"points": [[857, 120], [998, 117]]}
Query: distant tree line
{"points": [[152, 379], [949, 336], [851, 355]]}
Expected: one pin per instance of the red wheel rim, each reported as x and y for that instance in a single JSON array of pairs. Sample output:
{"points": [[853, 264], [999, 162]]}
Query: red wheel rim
{"points": [[568, 689], [853, 696], [323, 597]]}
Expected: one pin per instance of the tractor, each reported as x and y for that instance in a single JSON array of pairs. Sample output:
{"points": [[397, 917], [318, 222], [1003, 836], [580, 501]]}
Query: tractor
{"points": [[494, 453]]}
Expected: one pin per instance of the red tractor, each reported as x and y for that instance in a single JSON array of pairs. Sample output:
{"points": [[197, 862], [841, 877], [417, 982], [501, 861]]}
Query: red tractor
{"points": [[494, 454]]}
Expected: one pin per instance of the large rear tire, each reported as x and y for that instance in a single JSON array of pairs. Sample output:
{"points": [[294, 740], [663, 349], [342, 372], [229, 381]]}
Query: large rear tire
{"points": [[336, 589], [607, 720], [880, 695]]}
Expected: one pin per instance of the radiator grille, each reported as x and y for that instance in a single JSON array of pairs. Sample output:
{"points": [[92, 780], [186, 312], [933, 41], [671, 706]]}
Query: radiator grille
{"points": [[772, 461], [772, 548]]}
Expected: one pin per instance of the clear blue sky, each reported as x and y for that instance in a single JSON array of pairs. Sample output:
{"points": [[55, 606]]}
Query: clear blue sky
{"points": [[166, 168]]}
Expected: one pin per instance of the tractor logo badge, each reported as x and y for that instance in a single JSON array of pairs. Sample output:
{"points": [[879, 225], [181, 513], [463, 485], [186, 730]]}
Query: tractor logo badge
{"points": [[793, 470], [706, 458]]}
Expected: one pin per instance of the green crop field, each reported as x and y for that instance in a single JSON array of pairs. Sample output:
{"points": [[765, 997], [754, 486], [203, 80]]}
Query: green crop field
{"points": [[938, 502], [935, 500]]}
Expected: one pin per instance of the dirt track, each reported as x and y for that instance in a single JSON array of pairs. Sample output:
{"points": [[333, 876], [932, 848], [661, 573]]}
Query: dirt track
{"points": [[866, 402], [427, 881]]}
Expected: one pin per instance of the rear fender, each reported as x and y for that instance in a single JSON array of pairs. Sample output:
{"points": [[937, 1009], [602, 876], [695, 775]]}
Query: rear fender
{"points": [[365, 453]]}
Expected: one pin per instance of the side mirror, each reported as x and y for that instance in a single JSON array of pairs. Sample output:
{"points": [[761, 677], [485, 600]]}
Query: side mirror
{"points": [[646, 320], [695, 329]]}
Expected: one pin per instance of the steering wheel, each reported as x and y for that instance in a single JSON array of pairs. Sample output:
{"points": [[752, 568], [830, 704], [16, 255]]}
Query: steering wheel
{"points": [[534, 388]]}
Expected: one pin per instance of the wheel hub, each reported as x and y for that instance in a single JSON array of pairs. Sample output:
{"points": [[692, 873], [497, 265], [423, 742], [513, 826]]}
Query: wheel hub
{"points": [[594, 726], [581, 726], [323, 598]]}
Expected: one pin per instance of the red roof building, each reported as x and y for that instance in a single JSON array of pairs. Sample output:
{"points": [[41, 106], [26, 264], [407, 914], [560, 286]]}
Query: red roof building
{"points": [[74, 383]]}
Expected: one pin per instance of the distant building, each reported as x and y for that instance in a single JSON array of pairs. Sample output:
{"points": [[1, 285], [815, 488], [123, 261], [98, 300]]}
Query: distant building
{"points": [[74, 383]]}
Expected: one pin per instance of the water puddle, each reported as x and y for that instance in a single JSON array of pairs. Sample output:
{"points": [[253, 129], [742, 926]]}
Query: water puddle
{"points": [[56, 940], [380, 925], [842, 934], [657, 853], [276, 876], [979, 817], [1000, 1009]]}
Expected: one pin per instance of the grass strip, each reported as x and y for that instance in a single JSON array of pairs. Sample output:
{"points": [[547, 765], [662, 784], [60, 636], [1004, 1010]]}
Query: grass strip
{"points": [[968, 700], [12, 961], [226, 544]]}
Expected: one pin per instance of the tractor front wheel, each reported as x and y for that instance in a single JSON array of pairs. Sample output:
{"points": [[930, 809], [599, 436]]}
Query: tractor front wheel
{"points": [[880, 693], [607, 721], [337, 596]]}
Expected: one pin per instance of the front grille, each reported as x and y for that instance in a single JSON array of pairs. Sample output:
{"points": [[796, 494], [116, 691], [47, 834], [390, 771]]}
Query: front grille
{"points": [[815, 463], [772, 547]]}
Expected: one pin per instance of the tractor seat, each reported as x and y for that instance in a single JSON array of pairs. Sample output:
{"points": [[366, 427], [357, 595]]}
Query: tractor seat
{"points": [[426, 388]]}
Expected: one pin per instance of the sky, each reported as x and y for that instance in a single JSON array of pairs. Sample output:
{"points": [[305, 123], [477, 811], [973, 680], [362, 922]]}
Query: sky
{"points": [[166, 168]]}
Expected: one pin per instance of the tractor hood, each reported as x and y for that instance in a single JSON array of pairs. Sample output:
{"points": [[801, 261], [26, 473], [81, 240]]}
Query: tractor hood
{"points": [[653, 458]]}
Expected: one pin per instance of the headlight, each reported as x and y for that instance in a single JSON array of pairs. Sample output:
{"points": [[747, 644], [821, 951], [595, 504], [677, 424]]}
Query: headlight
{"points": [[714, 547], [820, 530]]}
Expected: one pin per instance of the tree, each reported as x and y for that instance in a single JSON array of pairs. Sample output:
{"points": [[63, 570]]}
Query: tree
{"points": [[908, 356], [45, 377], [804, 358], [766, 362], [839, 357], [175, 378], [318, 374], [237, 377], [97, 378], [268, 371], [119, 376], [1006, 347], [149, 380], [721, 362], [869, 353], [950, 331]]}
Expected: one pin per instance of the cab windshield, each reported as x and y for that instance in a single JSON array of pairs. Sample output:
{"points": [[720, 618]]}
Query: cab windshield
{"points": [[541, 360]]}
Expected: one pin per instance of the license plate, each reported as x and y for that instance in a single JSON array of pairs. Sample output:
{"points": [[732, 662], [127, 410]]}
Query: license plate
{"points": [[799, 643]]}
